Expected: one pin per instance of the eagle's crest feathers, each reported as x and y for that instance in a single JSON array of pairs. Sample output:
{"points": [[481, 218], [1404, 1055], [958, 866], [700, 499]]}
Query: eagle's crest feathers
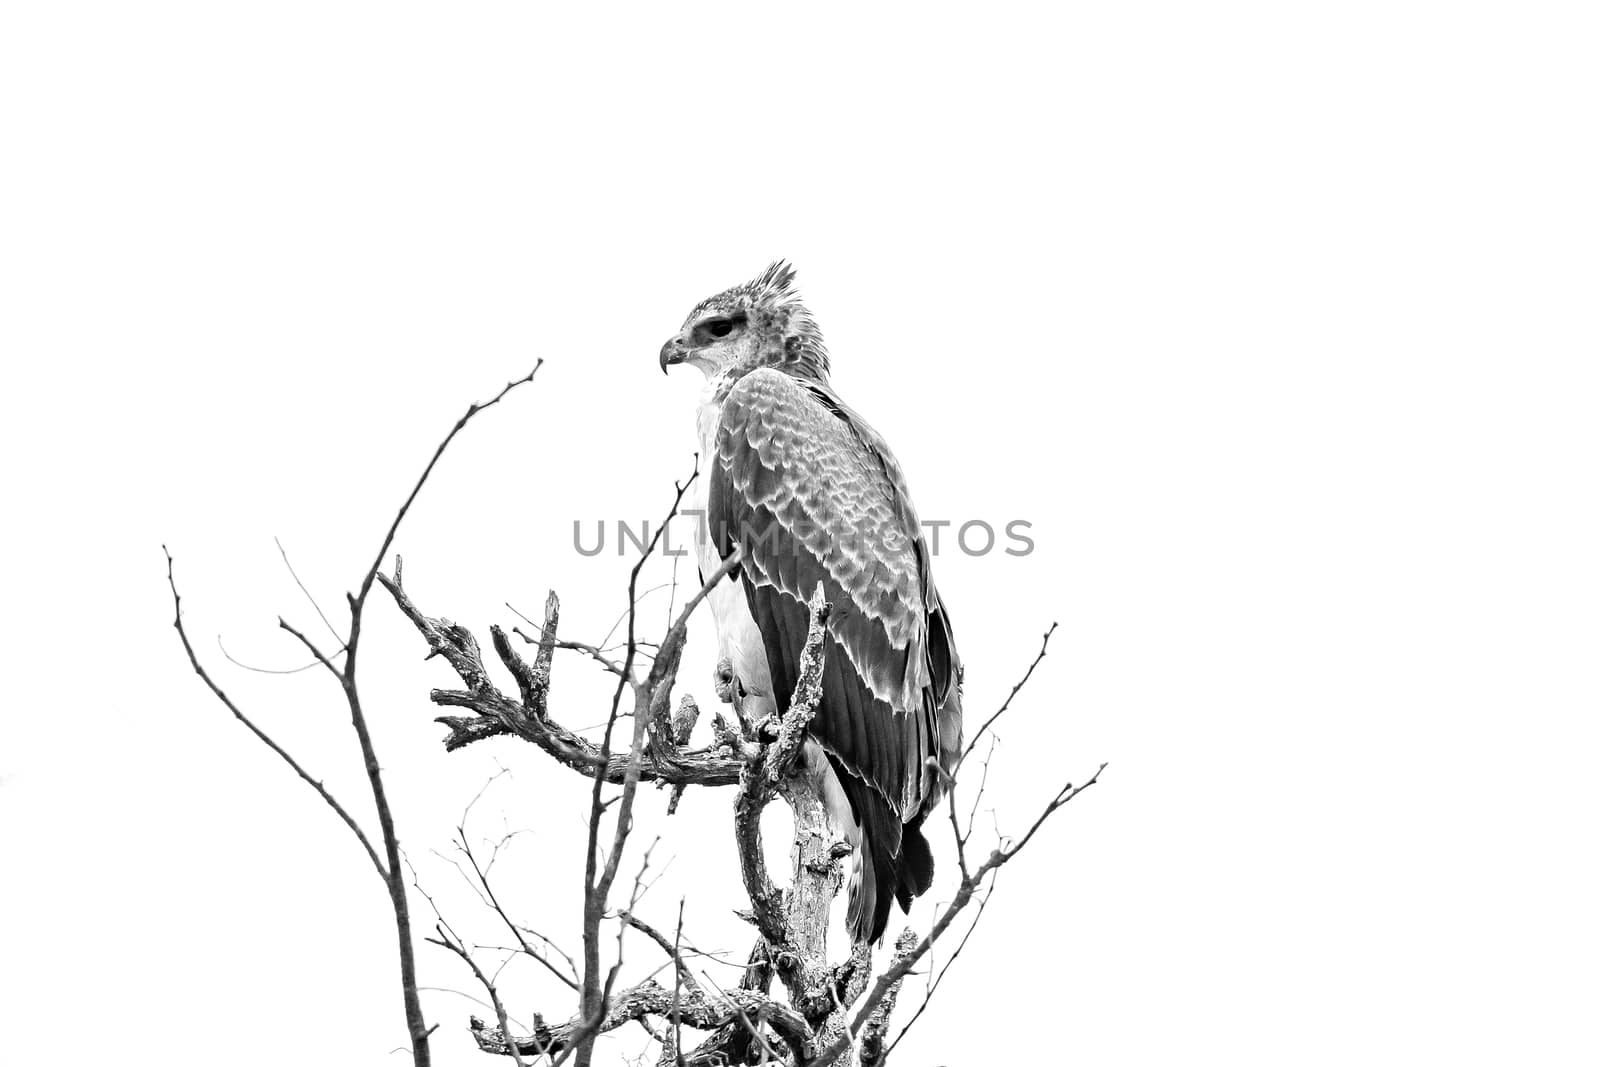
{"points": [[772, 302]]}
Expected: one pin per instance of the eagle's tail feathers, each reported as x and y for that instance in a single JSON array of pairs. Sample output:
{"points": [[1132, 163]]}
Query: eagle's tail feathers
{"points": [[892, 860], [916, 864]]}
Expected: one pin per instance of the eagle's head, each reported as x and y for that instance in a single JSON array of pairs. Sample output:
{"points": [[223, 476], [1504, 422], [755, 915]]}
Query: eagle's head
{"points": [[758, 324]]}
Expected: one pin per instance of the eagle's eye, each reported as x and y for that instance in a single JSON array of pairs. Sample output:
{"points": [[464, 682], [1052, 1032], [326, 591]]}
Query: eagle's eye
{"points": [[716, 329]]}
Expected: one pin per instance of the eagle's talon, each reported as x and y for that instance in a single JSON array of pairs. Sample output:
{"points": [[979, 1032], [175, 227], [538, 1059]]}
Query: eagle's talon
{"points": [[724, 681]]}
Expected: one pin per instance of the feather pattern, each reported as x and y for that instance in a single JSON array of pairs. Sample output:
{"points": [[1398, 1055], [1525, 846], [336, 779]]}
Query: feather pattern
{"points": [[812, 495]]}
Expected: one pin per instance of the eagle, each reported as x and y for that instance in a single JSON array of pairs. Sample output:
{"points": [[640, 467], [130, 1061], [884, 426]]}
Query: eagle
{"points": [[809, 495]]}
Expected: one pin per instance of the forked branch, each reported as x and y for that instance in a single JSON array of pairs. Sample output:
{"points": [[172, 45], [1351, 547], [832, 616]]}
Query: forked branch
{"points": [[388, 867]]}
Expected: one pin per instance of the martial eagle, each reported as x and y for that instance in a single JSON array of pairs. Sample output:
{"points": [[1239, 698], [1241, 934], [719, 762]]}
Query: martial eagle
{"points": [[812, 495]]}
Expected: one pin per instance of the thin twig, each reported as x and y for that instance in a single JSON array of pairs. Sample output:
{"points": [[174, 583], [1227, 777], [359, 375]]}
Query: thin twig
{"points": [[964, 894], [394, 527], [388, 868], [516, 931], [597, 883], [1044, 645], [513, 1048], [231, 658], [936, 980], [261, 735], [315, 606]]}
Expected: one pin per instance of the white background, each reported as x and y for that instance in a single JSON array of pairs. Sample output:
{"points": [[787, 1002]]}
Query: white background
{"points": [[1277, 323]]}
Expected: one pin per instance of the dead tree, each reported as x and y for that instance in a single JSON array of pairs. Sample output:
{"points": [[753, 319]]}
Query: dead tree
{"points": [[829, 1011]]}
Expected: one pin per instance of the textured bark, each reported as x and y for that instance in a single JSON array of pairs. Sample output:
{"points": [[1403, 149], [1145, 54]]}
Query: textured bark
{"points": [[873, 1052], [834, 1013], [528, 718], [695, 1008]]}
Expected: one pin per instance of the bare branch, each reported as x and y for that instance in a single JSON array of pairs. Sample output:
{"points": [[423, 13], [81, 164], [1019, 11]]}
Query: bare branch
{"points": [[313, 649], [680, 978], [513, 1048], [1044, 645], [936, 980], [237, 662], [516, 931], [964, 894], [388, 868], [736, 1040], [672, 950], [672, 644], [872, 1051], [313, 600], [701, 1011], [598, 879], [261, 735], [394, 527], [498, 715], [759, 783]]}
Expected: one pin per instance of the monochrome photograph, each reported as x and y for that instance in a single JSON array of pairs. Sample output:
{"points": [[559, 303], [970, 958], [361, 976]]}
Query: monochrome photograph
{"points": [[698, 535]]}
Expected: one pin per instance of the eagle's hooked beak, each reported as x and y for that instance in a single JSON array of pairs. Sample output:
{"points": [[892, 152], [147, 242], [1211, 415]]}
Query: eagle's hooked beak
{"points": [[672, 352]]}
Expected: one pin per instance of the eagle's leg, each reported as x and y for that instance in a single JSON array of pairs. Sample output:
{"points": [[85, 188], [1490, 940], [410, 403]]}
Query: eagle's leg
{"points": [[757, 714], [730, 690], [767, 728]]}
